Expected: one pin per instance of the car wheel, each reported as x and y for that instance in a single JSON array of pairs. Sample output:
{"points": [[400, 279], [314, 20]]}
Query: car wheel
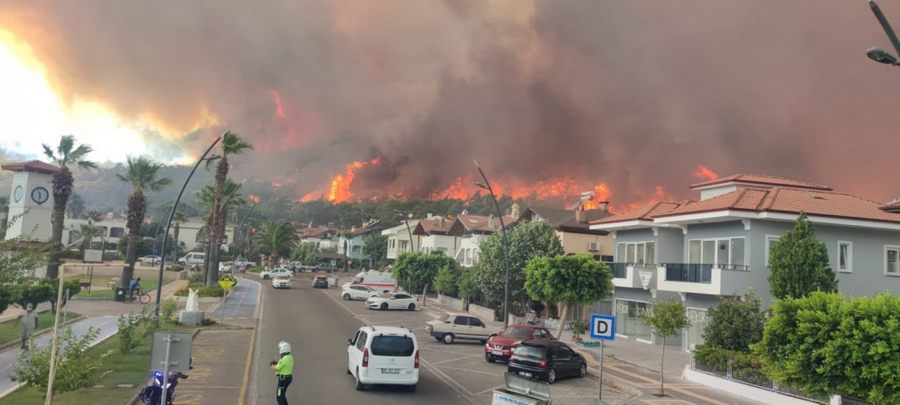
{"points": [[383, 306], [356, 383], [346, 297], [349, 372], [489, 358], [447, 338], [551, 376], [411, 388], [411, 307], [437, 338], [266, 277], [582, 371]]}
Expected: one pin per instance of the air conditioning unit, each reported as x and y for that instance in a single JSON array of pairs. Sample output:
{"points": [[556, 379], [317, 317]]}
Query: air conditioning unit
{"points": [[592, 246]]}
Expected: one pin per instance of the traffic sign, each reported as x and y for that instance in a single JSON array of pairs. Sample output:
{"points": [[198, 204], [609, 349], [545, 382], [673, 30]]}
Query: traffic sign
{"points": [[603, 327], [226, 282]]}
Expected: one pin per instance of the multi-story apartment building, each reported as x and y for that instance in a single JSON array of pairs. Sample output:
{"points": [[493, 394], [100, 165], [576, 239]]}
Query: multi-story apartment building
{"points": [[472, 230], [351, 243], [573, 230], [401, 239], [699, 251], [435, 237]]}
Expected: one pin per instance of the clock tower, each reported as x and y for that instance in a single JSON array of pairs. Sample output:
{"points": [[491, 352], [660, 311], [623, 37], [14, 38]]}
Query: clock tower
{"points": [[31, 201]]}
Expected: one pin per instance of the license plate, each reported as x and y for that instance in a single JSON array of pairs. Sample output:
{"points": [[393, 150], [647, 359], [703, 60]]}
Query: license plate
{"points": [[496, 352], [390, 371], [524, 374]]}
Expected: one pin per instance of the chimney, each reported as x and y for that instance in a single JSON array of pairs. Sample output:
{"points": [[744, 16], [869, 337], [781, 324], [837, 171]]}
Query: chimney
{"points": [[579, 214], [514, 211], [603, 206], [491, 221]]}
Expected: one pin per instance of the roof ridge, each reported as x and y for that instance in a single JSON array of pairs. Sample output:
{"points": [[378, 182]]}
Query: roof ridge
{"points": [[835, 192]]}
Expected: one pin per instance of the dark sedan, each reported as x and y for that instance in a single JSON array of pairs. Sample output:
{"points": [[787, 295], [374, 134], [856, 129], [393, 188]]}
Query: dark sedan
{"points": [[547, 360]]}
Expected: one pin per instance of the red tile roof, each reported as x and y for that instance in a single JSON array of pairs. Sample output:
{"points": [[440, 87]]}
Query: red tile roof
{"points": [[644, 213], [429, 226], [465, 224], [762, 180], [32, 166], [792, 201], [893, 206], [312, 232]]}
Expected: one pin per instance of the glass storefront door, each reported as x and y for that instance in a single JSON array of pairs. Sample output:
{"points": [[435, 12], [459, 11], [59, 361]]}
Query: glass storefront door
{"points": [[628, 318]]}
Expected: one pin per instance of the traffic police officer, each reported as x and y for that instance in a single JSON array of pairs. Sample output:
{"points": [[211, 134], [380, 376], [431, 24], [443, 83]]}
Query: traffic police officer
{"points": [[284, 371]]}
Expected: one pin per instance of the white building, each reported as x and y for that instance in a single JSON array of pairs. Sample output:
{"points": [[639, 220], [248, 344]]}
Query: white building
{"points": [[435, 237], [324, 237], [472, 230], [401, 240], [31, 201], [353, 247]]}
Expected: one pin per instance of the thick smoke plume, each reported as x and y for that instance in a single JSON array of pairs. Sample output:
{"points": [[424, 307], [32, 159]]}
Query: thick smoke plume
{"points": [[630, 94]]}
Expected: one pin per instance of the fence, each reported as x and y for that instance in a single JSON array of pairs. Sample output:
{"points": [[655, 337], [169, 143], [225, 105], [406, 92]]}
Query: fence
{"points": [[450, 302], [749, 374], [484, 313]]}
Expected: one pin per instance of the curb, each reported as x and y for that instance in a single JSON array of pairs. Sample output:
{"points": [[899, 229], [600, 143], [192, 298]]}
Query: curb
{"points": [[616, 382], [41, 333]]}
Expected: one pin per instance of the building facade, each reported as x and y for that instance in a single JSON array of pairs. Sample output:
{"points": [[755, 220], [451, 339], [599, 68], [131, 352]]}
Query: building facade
{"points": [[699, 251]]}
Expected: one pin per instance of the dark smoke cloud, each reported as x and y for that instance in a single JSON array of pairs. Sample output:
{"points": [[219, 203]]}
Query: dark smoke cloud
{"points": [[634, 93]]}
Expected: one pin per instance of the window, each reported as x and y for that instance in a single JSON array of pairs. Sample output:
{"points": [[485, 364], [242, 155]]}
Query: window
{"points": [[116, 232], [475, 322], [461, 320], [620, 252], [694, 254], [891, 256], [401, 296], [387, 345], [361, 341], [630, 255], [650, 252], [737, 251], [770, 243], [637, 252], [709, 252], [845, 257]]}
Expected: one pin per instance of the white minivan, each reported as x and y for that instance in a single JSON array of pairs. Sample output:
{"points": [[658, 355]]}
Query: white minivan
{"points": [[192, 258], [383, 355]]}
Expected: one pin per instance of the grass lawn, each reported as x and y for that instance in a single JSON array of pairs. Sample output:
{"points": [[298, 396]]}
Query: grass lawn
{"points": [[117, 368], [12, 331], [147, 284]]}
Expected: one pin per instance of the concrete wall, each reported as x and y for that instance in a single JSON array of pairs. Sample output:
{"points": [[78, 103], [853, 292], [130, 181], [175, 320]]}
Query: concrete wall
{"points": [[486, 314], [579, 242], [450, 302], [442, 243]]}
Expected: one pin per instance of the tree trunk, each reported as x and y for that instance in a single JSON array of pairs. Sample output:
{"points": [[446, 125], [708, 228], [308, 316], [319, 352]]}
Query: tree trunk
{"points": [[175, 251], [424, 295], [562, 321], [130, 253], [662, 359], [215, 249]]}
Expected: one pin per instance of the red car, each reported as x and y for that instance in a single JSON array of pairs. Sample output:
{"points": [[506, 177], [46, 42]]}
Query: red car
{"points": [[500, 346]]}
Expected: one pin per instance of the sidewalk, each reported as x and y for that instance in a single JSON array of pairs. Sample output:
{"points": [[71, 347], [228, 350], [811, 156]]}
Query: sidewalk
{"points": [[643, 355]]}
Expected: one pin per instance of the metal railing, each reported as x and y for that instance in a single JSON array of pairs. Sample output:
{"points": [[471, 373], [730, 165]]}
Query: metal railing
{"points": [[734, 267], [752, 376], [689, 272]]}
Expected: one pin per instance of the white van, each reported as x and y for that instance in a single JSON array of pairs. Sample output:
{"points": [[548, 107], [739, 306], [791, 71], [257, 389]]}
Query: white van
{"points": [[383, 355], [376, 280], [192, 258]]}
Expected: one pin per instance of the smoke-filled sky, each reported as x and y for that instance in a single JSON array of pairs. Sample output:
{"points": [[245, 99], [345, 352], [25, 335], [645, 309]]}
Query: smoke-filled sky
{"points": [[633, 94]]}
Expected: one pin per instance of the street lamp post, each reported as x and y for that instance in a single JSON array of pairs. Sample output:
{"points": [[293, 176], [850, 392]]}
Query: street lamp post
{"points": [[241, 226], [878, 54], [162, 258], [487, 186]]}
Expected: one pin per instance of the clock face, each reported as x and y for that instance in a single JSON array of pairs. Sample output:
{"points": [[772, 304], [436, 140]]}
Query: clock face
{"points": [[40, 195], [18, 193]]}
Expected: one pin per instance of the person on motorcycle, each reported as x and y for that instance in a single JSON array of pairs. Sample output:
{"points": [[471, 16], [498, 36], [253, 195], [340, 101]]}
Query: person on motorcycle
{"points": [[284, 371]]}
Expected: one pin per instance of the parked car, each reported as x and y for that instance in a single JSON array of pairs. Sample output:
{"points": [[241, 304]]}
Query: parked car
{"points": [[193, 258], [150, 260], [500, 346], [281, 281], [457, 326], [376, 280], [383, 355], [320, 280], [265, 275], [392, 301], [243, 264], [546, 359], [357, 292]]}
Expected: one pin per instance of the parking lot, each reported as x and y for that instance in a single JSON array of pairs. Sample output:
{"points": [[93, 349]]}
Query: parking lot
{"points": [[461, 364]]}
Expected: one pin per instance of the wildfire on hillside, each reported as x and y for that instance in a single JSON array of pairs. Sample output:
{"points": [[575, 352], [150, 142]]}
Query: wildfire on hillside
{"points": [[254, 199]]}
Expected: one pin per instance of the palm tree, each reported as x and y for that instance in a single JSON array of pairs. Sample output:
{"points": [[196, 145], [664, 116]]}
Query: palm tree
{"points": [[142, 173], [206, 197], [276, 240], [87, 235], [178, 219], [232, 144], [66, 156]]}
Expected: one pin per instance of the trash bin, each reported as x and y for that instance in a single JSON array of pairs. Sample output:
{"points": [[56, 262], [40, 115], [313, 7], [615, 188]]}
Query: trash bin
{"points": [[120, 294]]}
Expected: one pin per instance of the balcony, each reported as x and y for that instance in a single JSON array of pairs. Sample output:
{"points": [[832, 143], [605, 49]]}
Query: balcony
{"points": [[698, 278], [633, 275]]}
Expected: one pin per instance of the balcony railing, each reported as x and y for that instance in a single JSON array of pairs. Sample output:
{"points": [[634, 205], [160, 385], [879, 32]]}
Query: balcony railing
{"points": [[689, 272], [735, 267], [618, 269]]}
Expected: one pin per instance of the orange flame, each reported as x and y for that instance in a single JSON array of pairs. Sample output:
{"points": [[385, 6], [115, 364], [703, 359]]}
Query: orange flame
{"points": [[254, 198], [279, 107], [659, 194], [340, 185], [704, 173], [602, 193]]}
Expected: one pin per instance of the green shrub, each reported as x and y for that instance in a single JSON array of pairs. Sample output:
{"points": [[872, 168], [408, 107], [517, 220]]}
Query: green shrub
{"points": [[75, 369], [207, 322], [168, 307], [176, 267], [197, 278]]}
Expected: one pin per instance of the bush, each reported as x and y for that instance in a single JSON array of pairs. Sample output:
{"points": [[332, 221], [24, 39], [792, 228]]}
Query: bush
{"points": [[127, 326], [75, 369], [735, 323], [746, 367], [71, 254], [109, 256], [447, 280], [176, 267], [168, 307]]}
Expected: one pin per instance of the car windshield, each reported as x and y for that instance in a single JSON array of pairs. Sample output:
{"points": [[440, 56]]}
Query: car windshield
{"points": [[529, 351], [518, 333], [387, 345]]}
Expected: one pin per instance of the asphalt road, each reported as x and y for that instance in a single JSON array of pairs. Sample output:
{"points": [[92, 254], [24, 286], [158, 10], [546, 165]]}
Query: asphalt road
{"points": [[318, 327]]}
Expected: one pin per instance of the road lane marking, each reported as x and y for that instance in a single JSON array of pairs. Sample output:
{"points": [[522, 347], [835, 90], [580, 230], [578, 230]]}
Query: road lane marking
{"points": [[248, 360], [469, 371], [457, 359]]}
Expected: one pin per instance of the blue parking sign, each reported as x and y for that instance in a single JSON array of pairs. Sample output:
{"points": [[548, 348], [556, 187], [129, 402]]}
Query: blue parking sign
{"points": [[603, 327]]}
